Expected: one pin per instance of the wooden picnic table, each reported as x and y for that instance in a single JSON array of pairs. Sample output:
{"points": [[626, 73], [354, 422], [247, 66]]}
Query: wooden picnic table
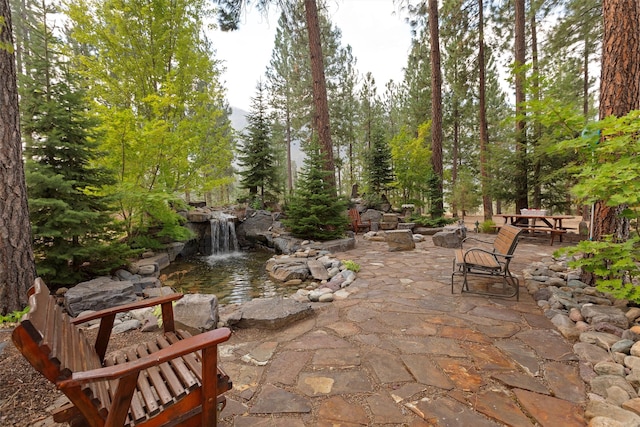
{"points": [[552, 223]]}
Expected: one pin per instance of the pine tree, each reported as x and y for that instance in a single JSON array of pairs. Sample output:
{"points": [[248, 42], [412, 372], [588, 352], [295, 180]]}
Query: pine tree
{"points": [[314, 211], [257, 156], [379, 170], [70, 219]]}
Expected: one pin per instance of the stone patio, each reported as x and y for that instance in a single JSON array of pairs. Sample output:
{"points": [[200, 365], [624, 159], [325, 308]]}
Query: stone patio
{"points": [[401, 350]]}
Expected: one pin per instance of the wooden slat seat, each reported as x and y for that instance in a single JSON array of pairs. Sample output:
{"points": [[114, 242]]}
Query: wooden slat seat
{"points": [[170, 380], [493, 263]]}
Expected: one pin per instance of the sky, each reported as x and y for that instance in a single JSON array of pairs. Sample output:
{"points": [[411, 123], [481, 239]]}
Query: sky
{"points": [[379, 37]]}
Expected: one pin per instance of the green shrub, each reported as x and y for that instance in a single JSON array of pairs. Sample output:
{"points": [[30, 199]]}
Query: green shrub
{"points": [[351, 265], [14, 317], [425, 221], [488, 226]]}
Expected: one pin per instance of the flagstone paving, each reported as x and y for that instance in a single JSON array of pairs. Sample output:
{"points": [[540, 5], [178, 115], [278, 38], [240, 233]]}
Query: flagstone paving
{"points": [[402, 350]]}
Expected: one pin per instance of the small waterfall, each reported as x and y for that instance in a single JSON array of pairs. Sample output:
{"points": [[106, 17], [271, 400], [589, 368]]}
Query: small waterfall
{"points": [[223, 234]]}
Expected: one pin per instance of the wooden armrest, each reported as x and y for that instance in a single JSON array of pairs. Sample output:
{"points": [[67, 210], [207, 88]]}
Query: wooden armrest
{"points": [[186, 346], [150, 302], [108, 315]]}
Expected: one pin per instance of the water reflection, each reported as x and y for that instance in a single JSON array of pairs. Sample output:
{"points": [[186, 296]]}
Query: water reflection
{"points": [[234, 277]]}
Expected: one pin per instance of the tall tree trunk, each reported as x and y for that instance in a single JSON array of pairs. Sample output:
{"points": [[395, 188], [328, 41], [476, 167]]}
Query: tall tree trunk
{"points": [[17, 268], [521, 185], [321, 115], [537, 128], [455, 153], [619, 91], [436, 109], [288, 137], [585, 71], [484, 127]]}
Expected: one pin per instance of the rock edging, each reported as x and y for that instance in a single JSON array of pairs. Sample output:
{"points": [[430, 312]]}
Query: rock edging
{"points": [[606, 336]]}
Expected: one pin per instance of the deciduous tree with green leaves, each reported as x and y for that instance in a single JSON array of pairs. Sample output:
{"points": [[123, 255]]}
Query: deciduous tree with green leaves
{"points": [[156, 88], [412, 165], [610, 174]]}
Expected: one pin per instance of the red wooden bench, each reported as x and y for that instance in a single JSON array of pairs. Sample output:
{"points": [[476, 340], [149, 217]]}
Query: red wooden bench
{"points": [[356, 221], [171, 380]]}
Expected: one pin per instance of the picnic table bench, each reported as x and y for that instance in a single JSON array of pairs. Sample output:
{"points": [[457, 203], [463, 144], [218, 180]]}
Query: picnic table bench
{"points": [[528, 222], [172, 380]]}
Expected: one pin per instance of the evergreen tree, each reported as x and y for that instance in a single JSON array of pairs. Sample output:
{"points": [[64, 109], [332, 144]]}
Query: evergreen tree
{"points": [[379, 170], [70, 219], [314, 211], [257, 156]]}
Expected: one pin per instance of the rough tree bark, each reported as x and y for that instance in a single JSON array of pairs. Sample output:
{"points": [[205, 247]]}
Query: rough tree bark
{"points": [[521, 185], [437, 209], [321, 115], [484, 128], [17, 267], [619, 90]]}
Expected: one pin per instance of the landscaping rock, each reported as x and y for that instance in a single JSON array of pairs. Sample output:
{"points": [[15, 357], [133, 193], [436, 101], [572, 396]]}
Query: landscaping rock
{"points": [[197, 312], [400, 240], [98, 294], [272, 313], [448, 239]]}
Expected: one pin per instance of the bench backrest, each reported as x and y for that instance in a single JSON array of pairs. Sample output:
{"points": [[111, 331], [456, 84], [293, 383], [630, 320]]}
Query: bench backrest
{"points": [[507, 239], [55, 347]]}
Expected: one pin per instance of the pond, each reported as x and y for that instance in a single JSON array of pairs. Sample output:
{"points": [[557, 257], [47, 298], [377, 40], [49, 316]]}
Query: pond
{"points": [[234, 277]]}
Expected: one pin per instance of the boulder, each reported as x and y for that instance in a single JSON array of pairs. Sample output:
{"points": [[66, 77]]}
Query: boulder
{"points": [[254, 229], [427, 231], [607, 314], [272, 313], [197, 312], [400, 240], [371, 215], [198, 215], [448, 238], [98, 294], [389, 221], [145, 283], [286, 269], [318, 270]]}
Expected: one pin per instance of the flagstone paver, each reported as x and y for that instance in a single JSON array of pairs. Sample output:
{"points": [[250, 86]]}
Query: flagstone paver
{"points": [[273, 400], [550, 411], [520, 380], [425, 371], [338, 410], [565, 381], [499, 406], [401, 350], [447, 412]]}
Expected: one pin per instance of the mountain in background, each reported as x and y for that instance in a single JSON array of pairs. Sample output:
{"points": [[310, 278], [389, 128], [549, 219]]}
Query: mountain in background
{"points": [[238, 118]]}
